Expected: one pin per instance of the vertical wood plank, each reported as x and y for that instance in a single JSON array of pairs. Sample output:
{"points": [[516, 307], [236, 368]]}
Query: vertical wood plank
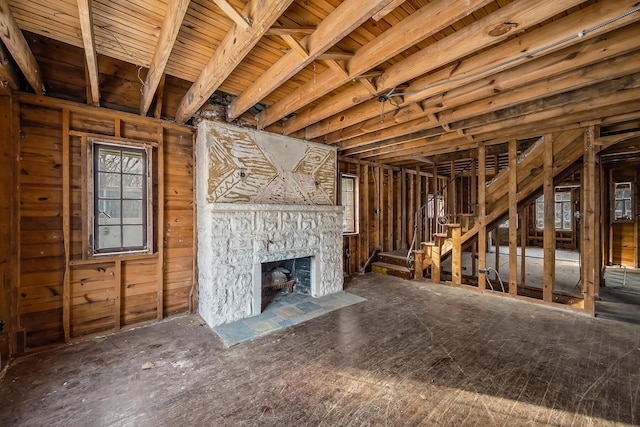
{"points": [[474, 185], [84, 198], [434, 193], [482, 209], [14, 347], [66, 225], [513, 218], [451, 192], [160, 274], [364, 230], [410, 207], [389, 207], [7, 218], [398, 213], [403, 207], [117, 127], [456, 254], [117, 300], [589, 244], [524, 225], [418, 203], [549, 239], [377, 209]]}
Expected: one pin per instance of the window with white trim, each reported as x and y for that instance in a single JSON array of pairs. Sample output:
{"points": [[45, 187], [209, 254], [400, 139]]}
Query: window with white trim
{"points": [[121, 204], [622, 207], [563, 211], [349, 199]]}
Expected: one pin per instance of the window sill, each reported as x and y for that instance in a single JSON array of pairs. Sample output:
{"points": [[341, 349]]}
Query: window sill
{"points": [[350, 234]]}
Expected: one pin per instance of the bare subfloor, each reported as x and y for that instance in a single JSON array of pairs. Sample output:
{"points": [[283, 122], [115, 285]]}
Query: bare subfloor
{"points": [[414, 353]]}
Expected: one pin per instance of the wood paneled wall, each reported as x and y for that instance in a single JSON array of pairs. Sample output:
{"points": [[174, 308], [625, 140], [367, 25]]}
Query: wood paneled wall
{"points": [[62, 292]]}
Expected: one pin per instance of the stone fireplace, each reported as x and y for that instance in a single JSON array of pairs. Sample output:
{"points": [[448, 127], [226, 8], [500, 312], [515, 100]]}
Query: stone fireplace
{"points": [[262, 198], [236, 241]]}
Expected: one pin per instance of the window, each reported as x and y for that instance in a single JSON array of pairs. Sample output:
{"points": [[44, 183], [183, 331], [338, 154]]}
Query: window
{"points": [[563, 211], [121, 202], [622, 210], [349, 185]]}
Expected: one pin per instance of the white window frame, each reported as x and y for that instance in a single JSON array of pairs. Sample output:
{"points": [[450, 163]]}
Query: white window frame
{"points": [[148, 237], [538, 211], [629, 215], [354, 194]]}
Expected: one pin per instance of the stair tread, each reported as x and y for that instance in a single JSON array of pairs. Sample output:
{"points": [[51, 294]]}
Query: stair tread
{"points": [[391, 266]]}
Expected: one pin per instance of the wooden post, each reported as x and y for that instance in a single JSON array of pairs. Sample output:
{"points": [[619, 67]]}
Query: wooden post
{"points": [[66, 225], [377, 209], [482, 212], [549, 221], [389, 216], [160, 270], [436, 254], [513, 218], [117, 300], [496, 243], [419, 265], [434, 191], [589, 253], [15, 345], [418, 203], [364, 216], [397, 183], [474, 185], [456, 254], [524, 229], [410, 208], [403, 207]]}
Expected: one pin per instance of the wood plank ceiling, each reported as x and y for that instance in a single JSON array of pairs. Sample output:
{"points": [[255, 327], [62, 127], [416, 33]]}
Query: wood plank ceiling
{"points": [[392, 81]]}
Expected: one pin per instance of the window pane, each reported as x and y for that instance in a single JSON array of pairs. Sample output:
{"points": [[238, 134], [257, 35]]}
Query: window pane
{"points": [[108, 212], [132, 235], [109, 185], [108, 160], [132, 162], [109, 237], [132, 186], [132, 211]]}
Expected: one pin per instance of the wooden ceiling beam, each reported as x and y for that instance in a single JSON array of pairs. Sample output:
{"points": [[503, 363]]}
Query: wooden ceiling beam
{"points": [[387, 9], [90, 55], [8, 72], [555, 85], [335, 112], [173, 18], [348, 16], [240, 20], [17, 45], [236, 44], [411, 30]]}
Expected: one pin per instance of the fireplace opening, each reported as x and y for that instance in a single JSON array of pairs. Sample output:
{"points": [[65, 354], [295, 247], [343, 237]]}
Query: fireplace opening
{"points": [[285, 279]]}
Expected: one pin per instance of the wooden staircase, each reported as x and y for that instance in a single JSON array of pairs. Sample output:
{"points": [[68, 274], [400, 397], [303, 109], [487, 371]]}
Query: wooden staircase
{"points": [[567, 149]]}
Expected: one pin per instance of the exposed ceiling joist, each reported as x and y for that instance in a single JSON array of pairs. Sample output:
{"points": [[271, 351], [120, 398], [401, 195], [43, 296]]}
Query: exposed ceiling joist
{"points": [[91, 57], [411, 30], [8, 72], [534, 40], [168, 35], [348, 16], [17, 45], [387, 9], [466, 41], [233, 48], [231, 12], [554, 85]]}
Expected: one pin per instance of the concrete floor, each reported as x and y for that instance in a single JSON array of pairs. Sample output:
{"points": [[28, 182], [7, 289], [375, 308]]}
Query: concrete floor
{"points": [[414, 353]]}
